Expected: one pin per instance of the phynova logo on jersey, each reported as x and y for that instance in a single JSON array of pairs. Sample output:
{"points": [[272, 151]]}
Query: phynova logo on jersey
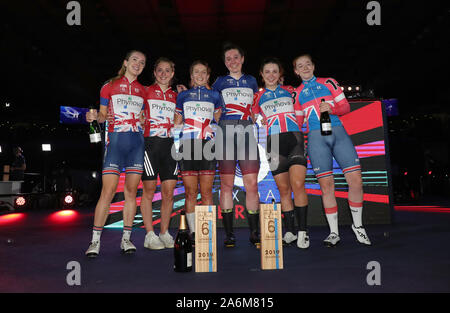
{"points": [[163, 107], [129, 102], [191, 108], [277, 104], [238, 93]]}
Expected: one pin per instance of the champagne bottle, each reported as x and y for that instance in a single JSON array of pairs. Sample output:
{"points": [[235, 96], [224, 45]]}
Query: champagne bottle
{"points": [[325, 123], [183, 247], [94, 130]]}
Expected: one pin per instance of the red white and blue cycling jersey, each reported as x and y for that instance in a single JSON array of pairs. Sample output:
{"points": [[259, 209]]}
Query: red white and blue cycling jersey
{"points": [[238, 96], [125, 100], [197, 106], [311, 92], [159, 111], [279, 110]]}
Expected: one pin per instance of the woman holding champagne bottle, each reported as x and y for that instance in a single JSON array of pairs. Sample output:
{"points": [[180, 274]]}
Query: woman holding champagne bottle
{"points": [[317, 95], [121, 104]]}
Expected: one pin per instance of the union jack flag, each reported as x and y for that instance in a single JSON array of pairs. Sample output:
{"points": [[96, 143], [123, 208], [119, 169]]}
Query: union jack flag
{"points": [[196, 129], [243, 110], [160, 126], [125, 122], [285, 122]]}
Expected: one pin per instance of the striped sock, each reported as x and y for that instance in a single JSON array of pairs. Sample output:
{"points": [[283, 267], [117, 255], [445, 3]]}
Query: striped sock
{"points": [[96, 233], [332, 218], [127, 232], [356, 209]]}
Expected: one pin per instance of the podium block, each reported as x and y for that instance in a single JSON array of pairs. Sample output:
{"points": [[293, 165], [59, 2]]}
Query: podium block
{"points": [[205, 238], [271, 236]]}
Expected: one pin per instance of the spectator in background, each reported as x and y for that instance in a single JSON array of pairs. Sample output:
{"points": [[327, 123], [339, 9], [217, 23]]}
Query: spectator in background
{"points": [[18, 165]]}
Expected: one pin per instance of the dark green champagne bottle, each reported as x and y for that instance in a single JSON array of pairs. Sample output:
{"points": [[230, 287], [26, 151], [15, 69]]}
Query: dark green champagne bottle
{"points": [[325, 123], [183, 247], [94, 130]]}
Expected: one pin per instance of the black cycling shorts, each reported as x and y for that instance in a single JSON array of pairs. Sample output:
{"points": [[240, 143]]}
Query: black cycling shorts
{"points": [[158, 159], [196, 159], [291, 151]]}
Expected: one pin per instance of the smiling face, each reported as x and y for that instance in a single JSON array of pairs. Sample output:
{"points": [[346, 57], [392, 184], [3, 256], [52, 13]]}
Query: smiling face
{"points": [[271, 75], [199, 75], [163, 73], [304, 67], [135, 64], [234, 61]]}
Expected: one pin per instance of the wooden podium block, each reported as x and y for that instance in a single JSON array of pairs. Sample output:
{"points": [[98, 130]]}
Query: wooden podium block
{"points": [[271, 236], [205, 238]]}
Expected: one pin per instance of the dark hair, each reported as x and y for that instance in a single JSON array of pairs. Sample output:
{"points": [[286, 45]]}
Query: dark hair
{"points": [[272, 60], [123, 68], [230, 46]]}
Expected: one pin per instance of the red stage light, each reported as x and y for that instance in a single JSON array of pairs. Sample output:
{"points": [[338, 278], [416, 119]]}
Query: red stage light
{"points": [[10, 218], [63, 216]]}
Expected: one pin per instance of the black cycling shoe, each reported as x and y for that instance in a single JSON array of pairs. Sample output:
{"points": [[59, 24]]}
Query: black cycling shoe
{"points": [[230, 240], [255, 239]]}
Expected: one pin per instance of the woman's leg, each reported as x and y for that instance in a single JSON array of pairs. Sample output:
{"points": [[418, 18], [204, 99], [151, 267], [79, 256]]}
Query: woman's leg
{"points": [[191, 191], [167, 189], [129, 208], [206, 183], [149, 188], [109, 186]]}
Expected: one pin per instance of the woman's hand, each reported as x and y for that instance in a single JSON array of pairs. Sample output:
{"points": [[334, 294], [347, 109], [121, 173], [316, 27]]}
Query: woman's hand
{"points": [[325, 106], [91, 115], [110, 117]]}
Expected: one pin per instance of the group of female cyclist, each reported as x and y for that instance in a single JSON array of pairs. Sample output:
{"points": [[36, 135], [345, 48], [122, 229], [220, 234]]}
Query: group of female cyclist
{"points": [[142, 121]]}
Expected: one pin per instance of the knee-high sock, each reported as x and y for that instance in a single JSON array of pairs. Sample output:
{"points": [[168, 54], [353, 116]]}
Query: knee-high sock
{"points": [[289, 221], [332, 218], [302, 214], [356, 209]]}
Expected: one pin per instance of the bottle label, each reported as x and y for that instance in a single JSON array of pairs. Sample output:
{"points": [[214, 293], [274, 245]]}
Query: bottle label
{"points": [[96, 137], [326, 127], [189, 259]]}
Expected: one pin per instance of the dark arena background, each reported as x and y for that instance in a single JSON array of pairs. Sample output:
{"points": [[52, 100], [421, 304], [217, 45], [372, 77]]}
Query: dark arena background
{"points": [[390, 59]]}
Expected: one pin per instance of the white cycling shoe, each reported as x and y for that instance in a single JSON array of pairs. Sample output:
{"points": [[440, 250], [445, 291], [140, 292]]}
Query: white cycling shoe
{"points": [[167, 240], [93, 250], [289, 238], [332, 240], [153, 242], [127, 246], [361, 235], [303, 240]]}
